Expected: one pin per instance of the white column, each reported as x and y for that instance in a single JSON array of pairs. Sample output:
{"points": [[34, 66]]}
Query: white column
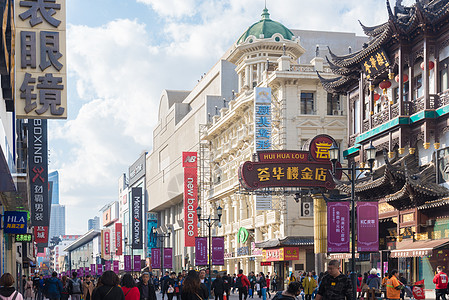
{"points": [[247, 75]]}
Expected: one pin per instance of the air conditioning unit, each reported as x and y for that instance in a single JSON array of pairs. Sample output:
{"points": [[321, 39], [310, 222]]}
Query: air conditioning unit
{"points": [[307, 209]]}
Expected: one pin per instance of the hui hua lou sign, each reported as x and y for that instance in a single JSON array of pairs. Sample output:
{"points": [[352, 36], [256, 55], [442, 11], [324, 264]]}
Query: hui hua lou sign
{"points": [[291, 168]]}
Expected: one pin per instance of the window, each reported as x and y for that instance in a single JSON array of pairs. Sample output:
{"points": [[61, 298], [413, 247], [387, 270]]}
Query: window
{"points": [[417, 82], [333, 104], [404, 93], [307, 104], [356, 123], [443, 75]]}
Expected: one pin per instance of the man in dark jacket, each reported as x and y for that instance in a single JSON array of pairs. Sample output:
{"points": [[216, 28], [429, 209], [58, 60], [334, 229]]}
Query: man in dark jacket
{"points": [[218, 287], [53, 287], [227, 284], [146, 288], [204, 284], [334, 285], [164, 279]]}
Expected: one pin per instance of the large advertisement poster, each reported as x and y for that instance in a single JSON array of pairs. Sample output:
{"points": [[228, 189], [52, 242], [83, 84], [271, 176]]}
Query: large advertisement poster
{"points": [[218, 251], [338, 223], [201, 251], [367, 226], [136, 212], [151, 235], [190, 163]]}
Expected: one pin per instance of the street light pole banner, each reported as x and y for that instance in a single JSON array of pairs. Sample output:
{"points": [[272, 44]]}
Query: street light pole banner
{"points": [[99, 269], [115, 265], [136, 203], [87, 270], [201, 251], [128, 267], [118, 239], [218, 251], [367, 226], [107, 265], [168, 258], [155, 258], [137, 263], [338, 223], [190, 164], [92, 269]]}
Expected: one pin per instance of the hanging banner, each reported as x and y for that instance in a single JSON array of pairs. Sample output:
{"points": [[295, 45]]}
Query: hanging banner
{"points": [[107, 265], [99, 269], [87, 271], [92, 270], [151, 235], [105, 243], [367, 226], [41, 234], [190, 164], [338, 223], [115, 266], [118, 239], [201, 251], [168, 258], [155, 258], [136, 202], [137, 263], [127, 267], [218, 251], [41, 73]]}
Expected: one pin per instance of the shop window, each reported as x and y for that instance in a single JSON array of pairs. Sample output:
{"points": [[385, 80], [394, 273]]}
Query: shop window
{"points": [[443, 75], [333, 105], [299, 267], [307, 104]]}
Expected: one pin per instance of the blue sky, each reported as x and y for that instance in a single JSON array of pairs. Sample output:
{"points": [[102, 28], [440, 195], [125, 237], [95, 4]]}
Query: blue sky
{"points": [[122, 54]]}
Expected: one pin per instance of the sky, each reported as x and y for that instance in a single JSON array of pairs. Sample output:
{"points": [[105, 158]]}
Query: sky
{"points": [[121, 54]]}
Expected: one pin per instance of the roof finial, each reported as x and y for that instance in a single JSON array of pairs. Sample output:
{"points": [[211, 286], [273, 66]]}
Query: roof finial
{"points": [[265, 4], [265, 14]]}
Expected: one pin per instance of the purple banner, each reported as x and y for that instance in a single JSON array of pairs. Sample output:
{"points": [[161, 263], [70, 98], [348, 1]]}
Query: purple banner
{"points": [[115, 266], [168, 258], [218, 251], [87, 270], [338, 223], [92, 270], [155, 258], [99, 270], [201, 251], [137, 263], [128, 267], [107, 265], [367, 227]]}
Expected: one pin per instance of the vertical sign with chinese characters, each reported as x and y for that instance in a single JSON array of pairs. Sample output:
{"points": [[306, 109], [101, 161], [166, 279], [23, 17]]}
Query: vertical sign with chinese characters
{"points": [[115, 266], [376, 63], [38, 170], [107, 265], [338, 226], [201, 251], [118, 239], [262, 133], [136, 214], [168, 258], [127, 266], [156, 258], [151, 235], [92, 270], [41, 73], [218, 251], [137, 263], [190, 164], [367, 226]]}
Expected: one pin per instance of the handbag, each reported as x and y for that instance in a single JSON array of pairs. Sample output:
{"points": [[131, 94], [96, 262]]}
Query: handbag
{"points": [[170, 290]]}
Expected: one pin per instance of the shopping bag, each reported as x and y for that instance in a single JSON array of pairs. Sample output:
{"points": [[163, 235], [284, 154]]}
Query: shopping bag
{"points": [[418, 290]]}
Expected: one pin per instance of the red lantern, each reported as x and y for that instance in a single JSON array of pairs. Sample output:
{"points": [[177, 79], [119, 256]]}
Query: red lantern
{"points": [[384, 85], [431, 65], [376, 96], [404, 78]]}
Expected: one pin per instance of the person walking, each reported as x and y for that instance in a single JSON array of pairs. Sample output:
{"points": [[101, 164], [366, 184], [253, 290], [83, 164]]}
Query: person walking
{"points": [[252, 282], [75, 287], [169, 286], [178, 286], [274, 282], [394, 286], [268, 280], [163, 281], [146, 289], [218, 287], [262, 282], [440, 280], [242, 283], [109, 289], [292, 291], [53, 287], [7, 290], [65, 288], [227, 285], [334, 285], [129, 288], [191, 289], [309, 285], [28, 289], [88, 288], [373, 282]]}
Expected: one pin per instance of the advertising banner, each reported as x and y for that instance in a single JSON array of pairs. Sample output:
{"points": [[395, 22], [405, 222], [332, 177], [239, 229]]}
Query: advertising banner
{"points": [[118, 239], [155, 258], [218, 251], [15, 222], [168, 258], [92, 269], [136, 212], [367, 226], [87, 271], [38, 172], [190, 163], [280, 254], [41, 234], [137, 263], [107, 265], [201, 251], [99, 269], [128, 266], [338, 223], [107, 241], [151, 235], [116, 266]]}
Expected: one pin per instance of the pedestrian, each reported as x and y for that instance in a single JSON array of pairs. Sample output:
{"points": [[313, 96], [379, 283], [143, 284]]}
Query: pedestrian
{"points": [[163, 281], [7, 290], [53, 287], [28, 289], [292, 291], [274, 282], [384, 284], [252, 282], [440, 280], [75, 287], [291, 278], [204, 283], [88, 288], [234, 278], [169, 286], [178, 286], [394, 286], [404, 284], [242, 283], [109, 289], [65, 288], [309, 285], [218, 287], [373, 282], [129, 288], [334, 285], [146, 289], [191, 289]]}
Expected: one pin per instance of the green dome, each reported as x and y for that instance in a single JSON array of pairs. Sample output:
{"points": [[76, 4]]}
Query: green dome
{"points": [[267, 27]]}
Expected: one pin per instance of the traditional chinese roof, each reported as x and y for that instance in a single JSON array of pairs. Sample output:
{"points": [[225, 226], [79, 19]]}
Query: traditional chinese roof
{"points": [[287, 241], [404, 24]]}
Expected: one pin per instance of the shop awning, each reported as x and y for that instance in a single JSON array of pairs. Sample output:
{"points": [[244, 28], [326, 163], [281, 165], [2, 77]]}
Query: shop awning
{"points": [[418, 248]]}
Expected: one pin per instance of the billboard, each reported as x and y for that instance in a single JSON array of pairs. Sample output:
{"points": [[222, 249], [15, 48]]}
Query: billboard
{"points": [[151, 236], [15, 222], [168, 258], [136, 221], [156, 258], [190, 163], [137, 170]]}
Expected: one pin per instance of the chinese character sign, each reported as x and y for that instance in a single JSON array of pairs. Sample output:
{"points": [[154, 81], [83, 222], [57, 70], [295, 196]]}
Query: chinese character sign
{"points": [[38, 172], [40, 41], [107, 265], [218, 251], [41, 234], [201, 251], [375, 63], [168, 258], [137, 263], [127, 260], [338, 223], [118, 239], [262, 118], [156, 258], [367, 227], [116, 266], [15, 222], [319, 147]]}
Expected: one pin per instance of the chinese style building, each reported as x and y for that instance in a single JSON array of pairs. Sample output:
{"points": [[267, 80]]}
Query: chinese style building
{"points": [[397, 89]]}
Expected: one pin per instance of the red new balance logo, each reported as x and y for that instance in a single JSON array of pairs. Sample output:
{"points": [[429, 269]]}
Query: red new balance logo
{"points": [[190, 159]]}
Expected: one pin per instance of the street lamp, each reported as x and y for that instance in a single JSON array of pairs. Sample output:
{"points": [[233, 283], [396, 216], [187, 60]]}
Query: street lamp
{"points": [[209, 223], [334, 153], [161, 237]]}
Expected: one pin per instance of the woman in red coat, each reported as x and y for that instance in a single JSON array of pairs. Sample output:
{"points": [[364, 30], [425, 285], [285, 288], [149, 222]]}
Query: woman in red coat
{"points": [[129, 288]]}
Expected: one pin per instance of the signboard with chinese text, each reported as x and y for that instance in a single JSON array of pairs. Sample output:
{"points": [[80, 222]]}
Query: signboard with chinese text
{"points": [[136, 212], [116, 266], [99, 269], [41, 234], [201, 251], [218, 251], [41, 73], [107, 265], [137, 263], [24, 238], [15, 222], [375, 63], [280, 254], [367, 226], [190, 163], [156, 258], [168, 258], [127, 267], [319, 147], [92, 269], [118, 239], [338, 226]]}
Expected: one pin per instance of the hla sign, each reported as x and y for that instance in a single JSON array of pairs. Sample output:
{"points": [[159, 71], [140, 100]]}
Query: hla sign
{"points": [[15, 222]]}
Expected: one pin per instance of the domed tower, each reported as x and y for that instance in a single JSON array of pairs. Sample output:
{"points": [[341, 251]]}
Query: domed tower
{"points": [[260, 47]]}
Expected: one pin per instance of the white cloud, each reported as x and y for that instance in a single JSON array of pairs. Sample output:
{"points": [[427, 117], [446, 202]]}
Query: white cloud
{"points": [[172, 8]]}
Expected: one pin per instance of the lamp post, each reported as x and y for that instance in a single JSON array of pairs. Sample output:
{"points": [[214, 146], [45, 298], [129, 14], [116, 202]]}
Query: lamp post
{"points": [[334, 153], [161, 237], [209, 223]]}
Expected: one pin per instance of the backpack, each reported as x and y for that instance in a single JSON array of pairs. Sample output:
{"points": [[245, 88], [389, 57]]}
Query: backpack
{"points": [[238, 282], [75, 286]]}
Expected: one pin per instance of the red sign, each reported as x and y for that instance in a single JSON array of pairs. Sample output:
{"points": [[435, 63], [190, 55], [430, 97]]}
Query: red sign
{"points": [[319, 147], [265, 263], [280, 254], [41, 234], [190, 197], [118, 239], [107, 241], [283, 156]]}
